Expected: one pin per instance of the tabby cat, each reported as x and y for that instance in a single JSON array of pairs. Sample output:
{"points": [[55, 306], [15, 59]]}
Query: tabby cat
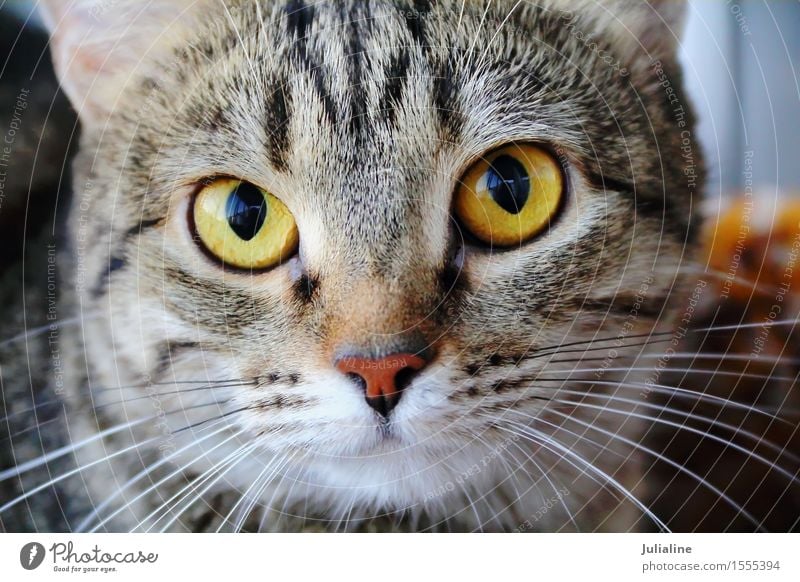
{"points": [[361, 266]]}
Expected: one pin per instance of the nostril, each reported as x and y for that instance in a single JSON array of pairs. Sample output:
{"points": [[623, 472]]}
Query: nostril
{"points": [[404, 378], [358, 379]]}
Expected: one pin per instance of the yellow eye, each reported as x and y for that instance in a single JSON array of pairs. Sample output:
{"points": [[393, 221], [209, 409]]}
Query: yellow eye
{"points": [[510, 195], [244, 226]]}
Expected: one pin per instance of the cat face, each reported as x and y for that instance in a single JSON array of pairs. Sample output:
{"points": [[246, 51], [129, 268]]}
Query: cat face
{"points": [[388, 350]]}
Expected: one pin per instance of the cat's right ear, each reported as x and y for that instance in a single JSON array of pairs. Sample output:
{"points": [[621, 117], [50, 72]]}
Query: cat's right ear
{"points": [[97, 45]]}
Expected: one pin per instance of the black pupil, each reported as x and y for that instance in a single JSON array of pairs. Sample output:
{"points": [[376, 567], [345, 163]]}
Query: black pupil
{"points": [[246, 210], [509, 183]]}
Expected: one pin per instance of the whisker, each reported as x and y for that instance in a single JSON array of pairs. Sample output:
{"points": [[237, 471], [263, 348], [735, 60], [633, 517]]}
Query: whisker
{"points": [[537, 355], [165, 508], [234, 381], [67, 449], [168, 393], [758, 438], [704, 482], [603, 449], [271, 501], [80, 469], [251, 494], [672, 390], [582, 472], [147, 471], [463, 489], [735, 326], [610, 338], [346, 512], [11, 437], [42, 329], [301, 478], [669, 332], [543, 440], [61, 399], [231, 461], [512, 471], [72, 472], [704, 434], [703, 355], [701, 371], [544, 475], [259, 484], [207, 420]]}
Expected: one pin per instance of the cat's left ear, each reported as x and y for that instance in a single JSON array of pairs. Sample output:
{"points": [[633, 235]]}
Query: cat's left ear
{"points": [[97, 45]]}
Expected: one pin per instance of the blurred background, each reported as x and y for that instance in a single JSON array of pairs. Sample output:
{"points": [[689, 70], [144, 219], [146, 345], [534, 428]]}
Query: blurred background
{"points": [[741, 64]]}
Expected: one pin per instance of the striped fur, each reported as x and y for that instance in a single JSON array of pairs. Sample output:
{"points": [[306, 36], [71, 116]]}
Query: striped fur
{"points": [[361, 116]]}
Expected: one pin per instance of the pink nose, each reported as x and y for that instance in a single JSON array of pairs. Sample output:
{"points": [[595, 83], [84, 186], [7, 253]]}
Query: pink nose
{"points": [[383, 379]]}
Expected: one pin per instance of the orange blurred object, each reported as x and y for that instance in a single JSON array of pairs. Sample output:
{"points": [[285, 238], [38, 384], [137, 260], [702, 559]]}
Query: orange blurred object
{"points": [[754, 247]]}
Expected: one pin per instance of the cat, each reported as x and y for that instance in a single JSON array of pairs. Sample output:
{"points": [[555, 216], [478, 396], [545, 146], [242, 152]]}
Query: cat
{"points": [[364, 266]]}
